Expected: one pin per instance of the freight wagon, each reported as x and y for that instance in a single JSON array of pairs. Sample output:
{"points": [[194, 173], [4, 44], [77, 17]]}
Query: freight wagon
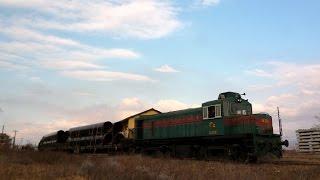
{"points": [[55, 141]]}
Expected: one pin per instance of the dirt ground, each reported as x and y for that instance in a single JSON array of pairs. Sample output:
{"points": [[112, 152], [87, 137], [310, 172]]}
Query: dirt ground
{"points": [[52, 165]]}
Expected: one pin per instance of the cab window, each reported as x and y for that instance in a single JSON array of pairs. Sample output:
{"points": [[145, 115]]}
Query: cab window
{"points": [[210, 112]]}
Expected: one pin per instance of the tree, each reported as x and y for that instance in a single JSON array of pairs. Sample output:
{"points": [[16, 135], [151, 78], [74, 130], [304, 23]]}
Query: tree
{"points": [[5, 140]]}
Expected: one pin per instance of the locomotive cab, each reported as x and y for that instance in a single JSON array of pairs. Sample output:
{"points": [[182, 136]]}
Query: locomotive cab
{"points": [[234, 104], [236, 115], [228, 104]]}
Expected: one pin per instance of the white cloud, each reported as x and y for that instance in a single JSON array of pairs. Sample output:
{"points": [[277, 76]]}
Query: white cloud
{"points": [[11, 66], [28, 46], [24, 34], [260, 87], [259, 73], [166, 69], [295, 89], [286, 101], [52, 52], [99, 75], [32, 39], [86, 94], [301, 85], [132, 102], [172, 105], [302, 76], [35, 79], [145, 19], [70, 65], [130, 106], [209, 2]]}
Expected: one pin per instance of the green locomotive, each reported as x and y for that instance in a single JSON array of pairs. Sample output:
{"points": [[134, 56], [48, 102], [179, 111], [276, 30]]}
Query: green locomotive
{"points": [[223, 126]]}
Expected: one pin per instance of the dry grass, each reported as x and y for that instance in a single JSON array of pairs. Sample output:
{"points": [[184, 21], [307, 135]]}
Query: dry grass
{"points": [[52, 165]]}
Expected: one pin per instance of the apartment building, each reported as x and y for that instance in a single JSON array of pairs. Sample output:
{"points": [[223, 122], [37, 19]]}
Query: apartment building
{"points": [[308, 140]]}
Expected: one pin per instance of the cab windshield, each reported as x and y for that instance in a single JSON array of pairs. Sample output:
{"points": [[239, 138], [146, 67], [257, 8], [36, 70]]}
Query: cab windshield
{"points": [[240, 109]]}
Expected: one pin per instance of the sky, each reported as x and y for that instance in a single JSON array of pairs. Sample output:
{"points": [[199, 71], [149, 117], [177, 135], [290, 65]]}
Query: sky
{"points": [[69, 63]]}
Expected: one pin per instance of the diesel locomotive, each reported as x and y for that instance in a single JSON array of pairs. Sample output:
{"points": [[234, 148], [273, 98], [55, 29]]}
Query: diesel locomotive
{"points": [[222, 127]]}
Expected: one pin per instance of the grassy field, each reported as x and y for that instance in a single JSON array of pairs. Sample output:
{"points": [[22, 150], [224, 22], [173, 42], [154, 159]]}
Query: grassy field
{"points": [[51, 165]]}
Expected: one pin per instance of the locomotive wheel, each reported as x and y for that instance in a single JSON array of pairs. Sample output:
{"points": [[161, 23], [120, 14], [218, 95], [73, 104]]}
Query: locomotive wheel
{"points": [[157, 154], [234, 152], [131, 150], [165, 151], [252, 159], [202, 153], [76, 150], [239, 153], [243, 157]]}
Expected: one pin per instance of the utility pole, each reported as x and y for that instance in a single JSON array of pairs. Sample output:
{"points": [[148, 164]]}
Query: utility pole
{"points": [[14, 138], [280, 123], [3, 123]]}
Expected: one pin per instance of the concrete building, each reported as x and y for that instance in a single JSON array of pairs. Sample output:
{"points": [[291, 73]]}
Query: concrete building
{"points": [[308, 140]]}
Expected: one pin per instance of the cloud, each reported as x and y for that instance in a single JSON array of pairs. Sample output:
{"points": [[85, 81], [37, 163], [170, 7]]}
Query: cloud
{"points": [[166, 105], [294, 88], [11, 66], [302, 76], [29, 39], [35, 79], [209, 2], [52, 52], [99, 75], [133, 102], [300, 82], [70, 65], [260, 87], [85, 94], [166, 69], [42, 49], [146, 19], [24, 34], [259, 73], [170, 105]]}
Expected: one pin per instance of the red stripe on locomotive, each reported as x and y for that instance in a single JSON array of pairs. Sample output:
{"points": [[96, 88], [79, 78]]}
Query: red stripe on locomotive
{"points": [[174, 121]]}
